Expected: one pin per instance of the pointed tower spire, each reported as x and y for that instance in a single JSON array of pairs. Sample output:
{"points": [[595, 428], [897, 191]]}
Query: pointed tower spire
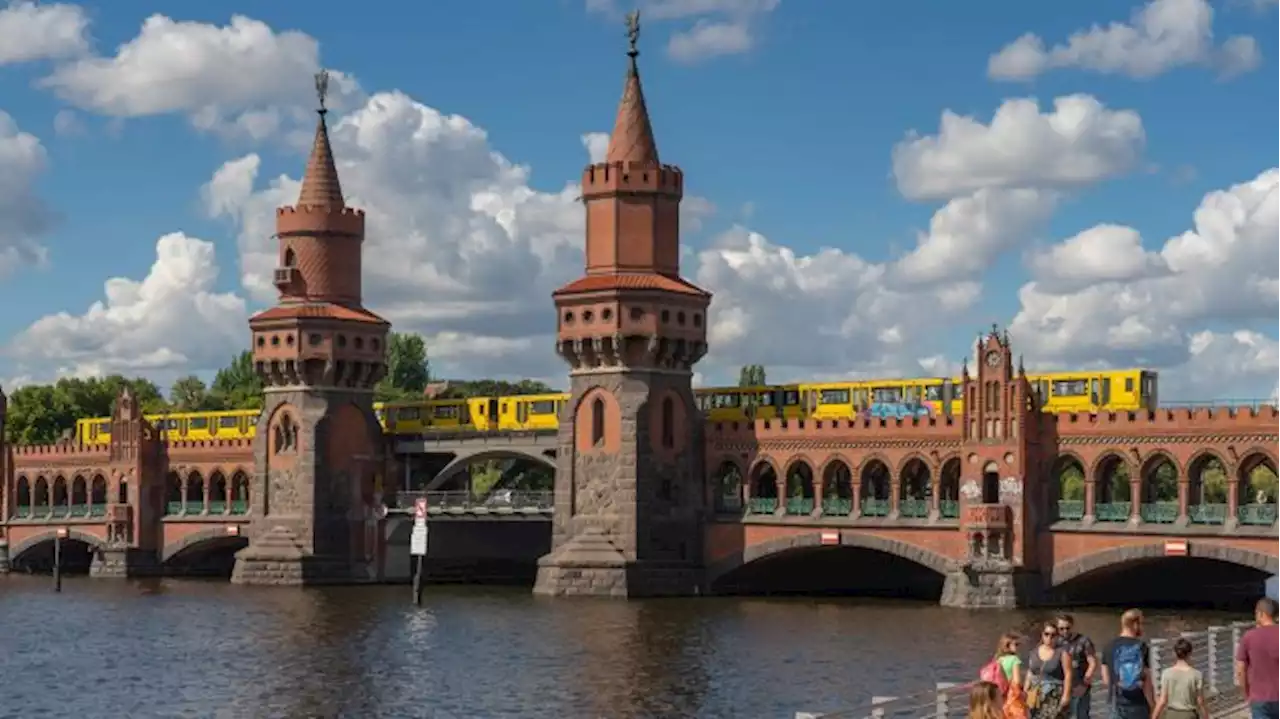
{"points": [[320, 185], [632, 138]]}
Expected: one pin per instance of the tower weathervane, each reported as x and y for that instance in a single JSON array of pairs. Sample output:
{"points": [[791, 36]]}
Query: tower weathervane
{"points": [[633, 32], [322, 88]]}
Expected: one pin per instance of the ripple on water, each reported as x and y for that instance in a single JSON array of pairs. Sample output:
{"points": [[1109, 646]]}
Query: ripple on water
{"points": [[169, 648]]}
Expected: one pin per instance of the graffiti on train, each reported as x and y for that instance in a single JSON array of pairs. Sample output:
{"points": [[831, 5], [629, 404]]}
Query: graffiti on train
{"points": [[902, 409]]}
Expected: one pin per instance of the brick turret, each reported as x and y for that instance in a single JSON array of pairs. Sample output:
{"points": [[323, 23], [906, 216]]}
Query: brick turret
{"points": [[629, 486], [319, 353]]}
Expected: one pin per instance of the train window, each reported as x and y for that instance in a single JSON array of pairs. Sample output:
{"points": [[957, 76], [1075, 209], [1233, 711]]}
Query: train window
{"points": [[228, 422], [886, 394], [407, 413], [791, 398], [104, 427], [835, 396], [1128, 384], [764, 399], [381, 414], [448, 411], [170, 424], [1070, 388], [728, 399], [199, 422], [933, 393], [542, 406]]}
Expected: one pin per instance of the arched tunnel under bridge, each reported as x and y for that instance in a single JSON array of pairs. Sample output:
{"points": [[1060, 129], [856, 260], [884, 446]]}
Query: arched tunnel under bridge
{"points": [[1210, 577], [862, 566]]}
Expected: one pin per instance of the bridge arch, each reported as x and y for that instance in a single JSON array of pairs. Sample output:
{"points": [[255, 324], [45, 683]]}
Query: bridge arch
{"points": [[202, 541], [458, 465], [16, 551], [915, 554], [1217, 575]]}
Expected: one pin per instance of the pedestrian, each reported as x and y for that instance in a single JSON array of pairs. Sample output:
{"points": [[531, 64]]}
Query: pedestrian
{"points": [[1257, 660], [984, 701], [1126, 670], [1049, 677], [1084, 662], [1181, 688]]}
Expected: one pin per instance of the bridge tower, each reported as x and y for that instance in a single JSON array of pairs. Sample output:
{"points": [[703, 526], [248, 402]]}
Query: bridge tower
{"points": [[1000, 447], [629, 484], [319, 353]]}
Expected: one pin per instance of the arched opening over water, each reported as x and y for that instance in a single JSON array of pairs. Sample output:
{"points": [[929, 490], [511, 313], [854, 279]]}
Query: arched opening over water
{"points": [[1145, 577], [208, 553], [35, 556], [839, 570], [481, 475]]}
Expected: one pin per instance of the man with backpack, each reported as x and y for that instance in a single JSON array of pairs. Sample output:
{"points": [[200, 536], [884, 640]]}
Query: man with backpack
{"points": [[1126, 670], [1084, 664], [1257, 662]]}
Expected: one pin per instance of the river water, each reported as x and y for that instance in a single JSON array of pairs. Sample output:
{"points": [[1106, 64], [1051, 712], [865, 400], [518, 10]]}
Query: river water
{"points": [[172, 648]]}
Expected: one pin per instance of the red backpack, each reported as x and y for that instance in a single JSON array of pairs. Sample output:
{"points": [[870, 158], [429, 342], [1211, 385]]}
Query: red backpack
{"points": [[994, 673]]}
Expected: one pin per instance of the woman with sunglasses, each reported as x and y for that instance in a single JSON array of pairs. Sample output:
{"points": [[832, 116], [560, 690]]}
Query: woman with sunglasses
{"points": [[1048, 677]]}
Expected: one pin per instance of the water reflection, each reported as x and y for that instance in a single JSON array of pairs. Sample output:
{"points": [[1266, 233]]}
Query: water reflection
{"points": [[200, 649]]}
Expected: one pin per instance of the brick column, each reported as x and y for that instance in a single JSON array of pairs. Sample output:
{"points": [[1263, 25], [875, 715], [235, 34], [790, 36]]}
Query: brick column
{"points": [[1135, 497], [1184, 501], [817, 496], [935, 495], [1090, 497], [855, 503], [1233, 496], [895, 495]]}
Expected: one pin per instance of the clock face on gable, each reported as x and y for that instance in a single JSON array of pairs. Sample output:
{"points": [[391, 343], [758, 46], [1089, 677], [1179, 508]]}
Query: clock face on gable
{"points": [[993, 359]]}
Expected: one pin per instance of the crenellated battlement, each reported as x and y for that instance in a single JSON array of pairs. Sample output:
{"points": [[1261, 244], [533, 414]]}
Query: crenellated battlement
{"points": [[611, 177], [68, 450], [209, 445], [308, 219], [1169, 419], [935, 428]]}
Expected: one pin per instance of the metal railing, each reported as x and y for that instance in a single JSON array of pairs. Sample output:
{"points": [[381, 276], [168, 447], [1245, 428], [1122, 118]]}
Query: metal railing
{"points": [[1213, 653], [508, 500]]}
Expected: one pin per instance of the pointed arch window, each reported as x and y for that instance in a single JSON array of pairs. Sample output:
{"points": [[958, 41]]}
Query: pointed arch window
{"points": [[597, 422], [290, 259]]}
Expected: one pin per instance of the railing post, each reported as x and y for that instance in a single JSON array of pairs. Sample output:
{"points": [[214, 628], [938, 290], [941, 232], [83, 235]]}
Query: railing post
{"points": [[1237, 632], [877, 711], [944, 696], [1212, 674], [1156, 646]]}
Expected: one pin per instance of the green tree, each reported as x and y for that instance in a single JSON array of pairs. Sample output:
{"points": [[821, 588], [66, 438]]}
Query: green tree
{"points": [[188, 394], [40, 414], [408, 371], [751, 375], [494, 388], [237, 386]]}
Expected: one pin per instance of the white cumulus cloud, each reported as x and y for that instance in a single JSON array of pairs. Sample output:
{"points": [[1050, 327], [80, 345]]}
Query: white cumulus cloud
{"points": [[719, 27], [31, 32], [24, 216], [1162, 35]]}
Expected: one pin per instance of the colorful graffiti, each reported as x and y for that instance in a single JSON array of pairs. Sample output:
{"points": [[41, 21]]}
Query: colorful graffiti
{"points": [[904, 409]]}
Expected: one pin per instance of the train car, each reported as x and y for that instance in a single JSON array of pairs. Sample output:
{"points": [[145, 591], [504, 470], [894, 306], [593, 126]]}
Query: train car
{"points": [[1125, 390], [741, 404], [538, 411], [910, 397], [178, 426]]}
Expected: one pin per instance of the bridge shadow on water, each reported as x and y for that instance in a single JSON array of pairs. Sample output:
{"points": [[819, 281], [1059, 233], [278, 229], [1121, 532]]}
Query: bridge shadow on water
{"points": [[832, 571]]}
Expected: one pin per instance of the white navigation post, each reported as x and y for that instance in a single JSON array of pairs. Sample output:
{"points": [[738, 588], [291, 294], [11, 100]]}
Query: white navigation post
{"points": [[418, 545]]}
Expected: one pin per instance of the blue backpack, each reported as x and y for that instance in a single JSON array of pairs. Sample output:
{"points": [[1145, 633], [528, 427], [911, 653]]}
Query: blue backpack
{"points": [[1126, 662]]}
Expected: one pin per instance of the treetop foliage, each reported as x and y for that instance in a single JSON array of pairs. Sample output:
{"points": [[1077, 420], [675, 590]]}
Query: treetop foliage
{"points": [[43, 414]]}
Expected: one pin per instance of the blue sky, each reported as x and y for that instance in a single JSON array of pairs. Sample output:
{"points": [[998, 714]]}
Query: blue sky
{"points": [[784, 116]]}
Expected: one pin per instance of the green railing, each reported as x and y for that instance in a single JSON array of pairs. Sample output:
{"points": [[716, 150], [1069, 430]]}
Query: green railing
{"points": [[217, 506], [1112, 512], [762, 505], [98, 509], [837, 506], [1159, 512], [1071, 509], [1207, 513], [173, 508], [875, 507], [913, 508], [799, 505], [949, 508], [194, 506], [239, 506], [22, 511], [1256, 514]]}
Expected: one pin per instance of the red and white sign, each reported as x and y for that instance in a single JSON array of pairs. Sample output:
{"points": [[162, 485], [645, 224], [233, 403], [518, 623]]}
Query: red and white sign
{"points": [[420, 508], [830, 538], [63, 532], [233, 530], [1176, 548]]}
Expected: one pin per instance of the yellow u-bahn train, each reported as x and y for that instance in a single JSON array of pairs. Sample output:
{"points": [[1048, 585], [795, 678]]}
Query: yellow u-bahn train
{"points": [[1100, 391]]}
